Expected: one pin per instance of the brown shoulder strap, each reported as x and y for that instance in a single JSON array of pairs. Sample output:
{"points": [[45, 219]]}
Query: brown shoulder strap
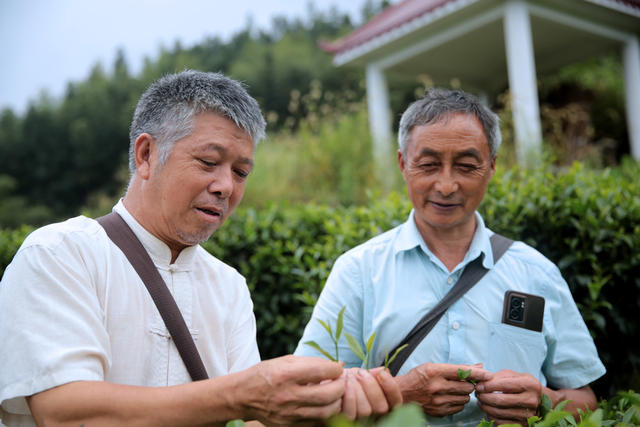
{"points": [[120, 233], [473, 272]]}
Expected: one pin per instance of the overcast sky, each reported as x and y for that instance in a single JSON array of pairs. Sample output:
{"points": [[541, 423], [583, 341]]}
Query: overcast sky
{"points": [[46, 43]]}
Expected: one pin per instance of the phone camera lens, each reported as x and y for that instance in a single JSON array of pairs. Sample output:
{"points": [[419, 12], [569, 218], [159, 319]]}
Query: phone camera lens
{"points": [[516, 309]]}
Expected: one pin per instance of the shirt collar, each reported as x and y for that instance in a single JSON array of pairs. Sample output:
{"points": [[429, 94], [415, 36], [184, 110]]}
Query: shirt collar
{"points": [[156, 248], [409, 237]]}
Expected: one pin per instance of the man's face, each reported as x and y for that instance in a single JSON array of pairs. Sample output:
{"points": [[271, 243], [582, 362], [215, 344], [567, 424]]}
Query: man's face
{"points": [[447, 168], [201, 182]]}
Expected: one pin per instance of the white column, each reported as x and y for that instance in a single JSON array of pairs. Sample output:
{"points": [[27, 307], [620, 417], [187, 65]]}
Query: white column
{"points": [[522, 81], [379, 120], [631, 61]]}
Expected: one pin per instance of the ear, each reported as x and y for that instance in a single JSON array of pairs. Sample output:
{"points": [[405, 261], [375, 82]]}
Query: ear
{"points": [[143, 147], [401, 162], [493, 166]]}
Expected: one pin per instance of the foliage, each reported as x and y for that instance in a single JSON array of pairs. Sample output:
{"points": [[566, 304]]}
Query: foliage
{"points": [[328, 159], [622, 410], [10, 241], [587, 222], [64, 154]]}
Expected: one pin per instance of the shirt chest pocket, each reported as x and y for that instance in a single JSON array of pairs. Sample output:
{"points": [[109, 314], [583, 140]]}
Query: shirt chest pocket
{"points": [[165, 365], [514, 348]]}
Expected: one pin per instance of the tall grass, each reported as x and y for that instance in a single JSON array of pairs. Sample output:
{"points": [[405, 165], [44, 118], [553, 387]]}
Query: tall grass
{"points": [[327, 160]]}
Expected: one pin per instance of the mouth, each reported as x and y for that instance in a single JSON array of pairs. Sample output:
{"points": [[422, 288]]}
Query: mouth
{"points": [[210, 213], [444, 206]]}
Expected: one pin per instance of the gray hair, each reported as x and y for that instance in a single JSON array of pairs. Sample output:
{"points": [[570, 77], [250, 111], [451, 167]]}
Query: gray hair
{"points": [[438, 104], [167, 108]]}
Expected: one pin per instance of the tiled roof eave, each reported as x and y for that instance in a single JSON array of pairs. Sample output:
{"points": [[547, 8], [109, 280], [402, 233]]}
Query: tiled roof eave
{"points": [[350, 54]]}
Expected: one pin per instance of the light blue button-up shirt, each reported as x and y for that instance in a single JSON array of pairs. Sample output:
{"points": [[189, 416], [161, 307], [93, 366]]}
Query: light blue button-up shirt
{"points": [[390, 282]]}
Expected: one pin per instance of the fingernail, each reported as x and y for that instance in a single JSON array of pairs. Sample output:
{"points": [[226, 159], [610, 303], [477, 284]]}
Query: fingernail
{"points": [[480, 388], [364, 373]]}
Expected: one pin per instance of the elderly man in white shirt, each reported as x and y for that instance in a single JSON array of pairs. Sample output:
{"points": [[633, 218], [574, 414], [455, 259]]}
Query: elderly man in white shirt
{"points": [[83, 342]]}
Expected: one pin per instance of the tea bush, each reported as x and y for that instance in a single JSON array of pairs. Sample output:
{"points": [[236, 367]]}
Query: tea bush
{"points": [[588, 222]]}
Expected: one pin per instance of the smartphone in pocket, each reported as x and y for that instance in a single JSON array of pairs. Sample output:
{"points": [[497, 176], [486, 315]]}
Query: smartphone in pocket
{"points": [[523, 310]]}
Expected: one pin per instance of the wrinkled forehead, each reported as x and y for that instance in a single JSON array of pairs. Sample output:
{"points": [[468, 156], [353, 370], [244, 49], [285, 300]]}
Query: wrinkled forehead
{"points": [[459, 129]]}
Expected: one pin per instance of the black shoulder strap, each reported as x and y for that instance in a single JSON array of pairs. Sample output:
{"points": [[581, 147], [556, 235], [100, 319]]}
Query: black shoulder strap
{"points": [[471, 275], [120, 233]]}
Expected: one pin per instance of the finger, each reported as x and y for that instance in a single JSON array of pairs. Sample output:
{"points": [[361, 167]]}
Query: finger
{"points": [[313, 369], [390, 388], [317, 412], [363, 408], [455, 387], [510, 415], [372, 389], [508, 400], [450, 372], [349, 407], [450, 400], [510, 382], [319, 394]]}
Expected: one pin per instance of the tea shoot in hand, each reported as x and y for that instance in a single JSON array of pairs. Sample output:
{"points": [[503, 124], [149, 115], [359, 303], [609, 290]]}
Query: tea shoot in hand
{"points": [[357, 350], [464, 375], [388, 360], [334, 337]]}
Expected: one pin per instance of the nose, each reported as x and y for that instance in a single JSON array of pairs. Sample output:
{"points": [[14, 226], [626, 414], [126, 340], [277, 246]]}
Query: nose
{"points": [[446, 183], [222, 183]]}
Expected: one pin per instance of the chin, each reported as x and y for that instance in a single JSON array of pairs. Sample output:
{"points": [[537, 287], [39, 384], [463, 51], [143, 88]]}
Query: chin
{"points": [[195, 237]]}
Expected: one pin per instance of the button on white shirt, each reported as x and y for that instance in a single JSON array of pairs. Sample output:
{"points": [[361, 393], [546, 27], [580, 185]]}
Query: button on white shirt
{"points": [[455, 326]]}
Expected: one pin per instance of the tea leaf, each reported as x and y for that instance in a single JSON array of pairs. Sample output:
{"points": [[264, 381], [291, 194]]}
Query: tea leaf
{"points": [[235, 423], [388, 360], [532, 420], [463, 375], [560, 406], [370, 342], [355, 347], [339, 323], [327, 327], [317, 347], [546, 405]]}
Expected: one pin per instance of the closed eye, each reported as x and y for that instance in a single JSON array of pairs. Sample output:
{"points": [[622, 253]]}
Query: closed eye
{"points": [[467, 167], [241, 173]]}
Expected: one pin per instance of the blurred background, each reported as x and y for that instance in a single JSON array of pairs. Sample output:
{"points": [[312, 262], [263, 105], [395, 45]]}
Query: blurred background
{"points": [[73, 71]]}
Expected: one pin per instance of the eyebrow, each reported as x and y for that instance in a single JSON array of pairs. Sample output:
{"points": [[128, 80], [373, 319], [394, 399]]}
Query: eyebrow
{"points": [[223, 150], [467, 153]]}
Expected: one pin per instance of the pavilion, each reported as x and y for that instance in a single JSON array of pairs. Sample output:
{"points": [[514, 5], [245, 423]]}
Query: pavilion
{"points": [[489, 45]]}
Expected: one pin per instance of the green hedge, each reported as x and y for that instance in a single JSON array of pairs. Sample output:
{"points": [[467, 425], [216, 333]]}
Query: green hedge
{"points": [[587, 222]]}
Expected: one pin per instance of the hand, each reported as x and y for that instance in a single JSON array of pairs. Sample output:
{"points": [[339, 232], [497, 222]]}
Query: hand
{"points": [[292, 390], [436, 387], [509, 397], [369, 392]]}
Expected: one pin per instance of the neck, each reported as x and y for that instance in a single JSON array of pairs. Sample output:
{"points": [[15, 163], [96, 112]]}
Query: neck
{"points": [[449, 245], [134, 202]]}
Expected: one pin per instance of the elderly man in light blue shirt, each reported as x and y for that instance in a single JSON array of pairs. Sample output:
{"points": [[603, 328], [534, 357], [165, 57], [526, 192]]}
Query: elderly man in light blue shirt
{"points": [[448, 147]]}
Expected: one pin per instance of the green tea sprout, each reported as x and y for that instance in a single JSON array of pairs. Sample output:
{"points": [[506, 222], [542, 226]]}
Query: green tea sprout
{"points": [[464, 376], [335, 338], [388, 360]]}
